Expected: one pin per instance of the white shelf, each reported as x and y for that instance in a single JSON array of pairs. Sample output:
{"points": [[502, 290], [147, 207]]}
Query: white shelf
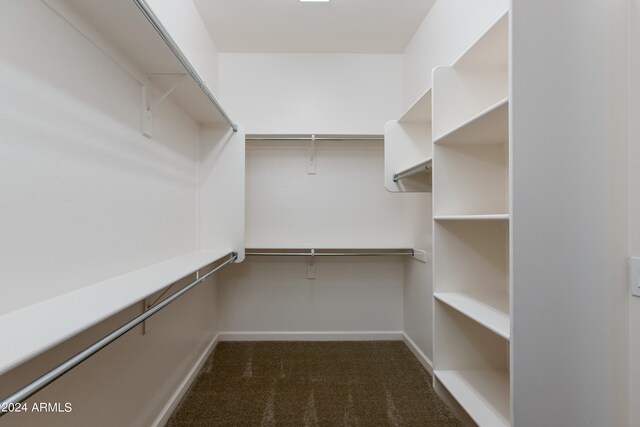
{"points": [[488, 309], [419, 111], [74, 312], [484, 217], [491, 126], [483, 394], [124, 25], [490, 50]]}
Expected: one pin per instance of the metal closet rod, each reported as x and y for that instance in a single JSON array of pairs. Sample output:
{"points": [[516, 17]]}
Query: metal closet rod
{"points": [[319, 138], [413, 171], [46, 379], [313, 253], [162, 31]]}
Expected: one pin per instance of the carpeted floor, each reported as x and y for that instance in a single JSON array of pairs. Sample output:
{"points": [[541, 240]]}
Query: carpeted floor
{"points": [[376, 383]]}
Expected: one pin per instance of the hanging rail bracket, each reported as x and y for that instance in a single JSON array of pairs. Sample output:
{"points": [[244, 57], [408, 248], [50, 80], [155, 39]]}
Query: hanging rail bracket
{"points": [[311, 163], [148, 107]]}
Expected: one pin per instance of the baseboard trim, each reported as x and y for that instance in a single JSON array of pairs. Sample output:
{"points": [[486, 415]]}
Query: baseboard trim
{"points": [[168, 409], [311, 336], [424, 360]]}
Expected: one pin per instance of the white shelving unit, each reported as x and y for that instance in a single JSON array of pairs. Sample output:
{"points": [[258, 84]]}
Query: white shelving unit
{"points": [[408, 148], [472, 320]]}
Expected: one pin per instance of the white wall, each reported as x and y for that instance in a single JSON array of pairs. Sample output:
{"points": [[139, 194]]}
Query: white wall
{"points": [[221, 203], [344, 204], [634, 201], [347, 295], [86, 197], [447, 32], [569, 228], [311, 93]]}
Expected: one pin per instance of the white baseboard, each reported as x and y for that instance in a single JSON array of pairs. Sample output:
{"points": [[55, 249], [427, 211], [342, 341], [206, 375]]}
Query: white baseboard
{"points": [[426, 362], [175, 398], [311, 336]]}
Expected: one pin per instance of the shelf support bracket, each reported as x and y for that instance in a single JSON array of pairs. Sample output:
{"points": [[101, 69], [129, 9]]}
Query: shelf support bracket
{"points": [[148, 107], [311, 164], [311, 267]]}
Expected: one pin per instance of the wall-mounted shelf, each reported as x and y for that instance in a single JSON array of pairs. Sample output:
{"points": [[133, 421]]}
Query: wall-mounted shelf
{"points": [[408, 147], [74, 312], [138, 34], [484, 394]]}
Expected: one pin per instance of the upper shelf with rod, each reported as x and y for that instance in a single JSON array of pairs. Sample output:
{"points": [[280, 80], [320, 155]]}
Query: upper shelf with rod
{"points": [[408, 148], [139, 35]]}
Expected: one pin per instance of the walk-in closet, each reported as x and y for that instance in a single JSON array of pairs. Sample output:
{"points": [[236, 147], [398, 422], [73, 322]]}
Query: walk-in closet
{"points": [[319, 213]]}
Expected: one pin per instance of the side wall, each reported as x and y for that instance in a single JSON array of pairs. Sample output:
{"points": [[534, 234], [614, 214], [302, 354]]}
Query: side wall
{"points": [[86, 197], [569, 231], [89, 197]]}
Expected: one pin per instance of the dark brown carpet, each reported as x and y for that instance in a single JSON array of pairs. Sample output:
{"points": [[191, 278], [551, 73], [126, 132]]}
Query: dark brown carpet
{"points": [[377, 383]]}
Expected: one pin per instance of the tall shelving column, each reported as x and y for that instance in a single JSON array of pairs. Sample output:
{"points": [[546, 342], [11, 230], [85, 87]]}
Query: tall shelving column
{"points": [[472, 325]]}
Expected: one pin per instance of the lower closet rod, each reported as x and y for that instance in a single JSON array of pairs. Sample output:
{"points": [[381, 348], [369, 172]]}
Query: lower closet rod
{"points": [[328, 253], [46, 379], [326, 138]]}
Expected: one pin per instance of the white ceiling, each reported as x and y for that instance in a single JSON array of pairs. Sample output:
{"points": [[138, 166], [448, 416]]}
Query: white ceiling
{"points": [[290, 26]]}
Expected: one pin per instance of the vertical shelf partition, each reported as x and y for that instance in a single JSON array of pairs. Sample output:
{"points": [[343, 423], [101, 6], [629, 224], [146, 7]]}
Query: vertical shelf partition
{"points": [[472, 327]]}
